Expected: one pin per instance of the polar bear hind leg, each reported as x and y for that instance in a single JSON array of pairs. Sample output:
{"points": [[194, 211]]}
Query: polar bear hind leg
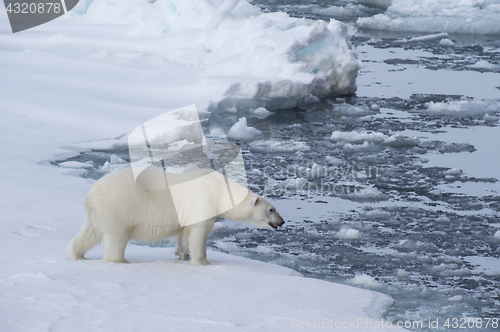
{"points": [[182, 246], [114, 247]]}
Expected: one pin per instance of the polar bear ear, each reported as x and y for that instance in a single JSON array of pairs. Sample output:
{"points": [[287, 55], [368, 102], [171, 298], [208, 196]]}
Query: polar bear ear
{"points": [[255, 200]]}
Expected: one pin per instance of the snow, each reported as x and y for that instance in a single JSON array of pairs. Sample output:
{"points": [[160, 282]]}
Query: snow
{"points": [[84, 82], [438, 16], [159, 291]]}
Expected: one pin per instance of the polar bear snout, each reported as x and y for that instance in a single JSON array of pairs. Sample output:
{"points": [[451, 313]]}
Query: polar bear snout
{"points": [[277, 223]]}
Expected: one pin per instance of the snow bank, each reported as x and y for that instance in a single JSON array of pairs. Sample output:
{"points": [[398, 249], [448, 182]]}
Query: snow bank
{"points": [[279, 61], [451, 16]]}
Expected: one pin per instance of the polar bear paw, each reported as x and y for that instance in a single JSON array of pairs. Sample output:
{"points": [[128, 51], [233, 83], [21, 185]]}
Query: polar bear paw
{"points": [[203, 262]]}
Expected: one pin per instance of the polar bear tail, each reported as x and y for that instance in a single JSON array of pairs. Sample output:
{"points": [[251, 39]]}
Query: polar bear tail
{"points": [[88, 238]]}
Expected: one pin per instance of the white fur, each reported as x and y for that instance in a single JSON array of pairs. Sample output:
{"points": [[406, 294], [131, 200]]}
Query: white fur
{"points": [[120, 209]]}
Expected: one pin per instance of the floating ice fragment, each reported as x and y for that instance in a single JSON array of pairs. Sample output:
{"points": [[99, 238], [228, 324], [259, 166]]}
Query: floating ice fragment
{"points": [[483, 64], [461, 108], [254, 171], [348, 234], [491, 273], [443, 219], [377, 215], [456, 298], [272, 146], [240, 131], [218, 225], [429, 37], [365, 281], [76, 165], [446, 42], [490, 118], [357, 138], [365, 194], [333, 161], [480, 17], [497, 234], [261, 113], [400, 141], [115, 160], [376, 3], [454, 172], [402, 273]]}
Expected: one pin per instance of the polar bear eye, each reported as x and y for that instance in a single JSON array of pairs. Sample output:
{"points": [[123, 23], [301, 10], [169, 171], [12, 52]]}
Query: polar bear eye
{"points": [[271, 210]]}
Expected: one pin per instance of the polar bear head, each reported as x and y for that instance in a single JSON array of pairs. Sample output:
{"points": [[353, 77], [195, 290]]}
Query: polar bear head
{"points": [[261, 213]]}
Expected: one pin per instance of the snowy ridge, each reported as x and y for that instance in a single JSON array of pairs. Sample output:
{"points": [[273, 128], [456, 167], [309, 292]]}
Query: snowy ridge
{"points": [[272, 56]]}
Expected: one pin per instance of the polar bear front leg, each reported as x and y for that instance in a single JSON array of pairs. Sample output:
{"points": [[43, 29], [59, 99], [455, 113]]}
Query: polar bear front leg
{"points": [[197, 240]]}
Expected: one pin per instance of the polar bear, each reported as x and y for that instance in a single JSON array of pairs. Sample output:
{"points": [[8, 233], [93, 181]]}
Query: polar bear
{"points": [[121, 207]]}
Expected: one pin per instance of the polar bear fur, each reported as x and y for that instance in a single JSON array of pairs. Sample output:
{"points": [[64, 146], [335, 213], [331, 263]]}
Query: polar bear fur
{"points": [[120, 208]]}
